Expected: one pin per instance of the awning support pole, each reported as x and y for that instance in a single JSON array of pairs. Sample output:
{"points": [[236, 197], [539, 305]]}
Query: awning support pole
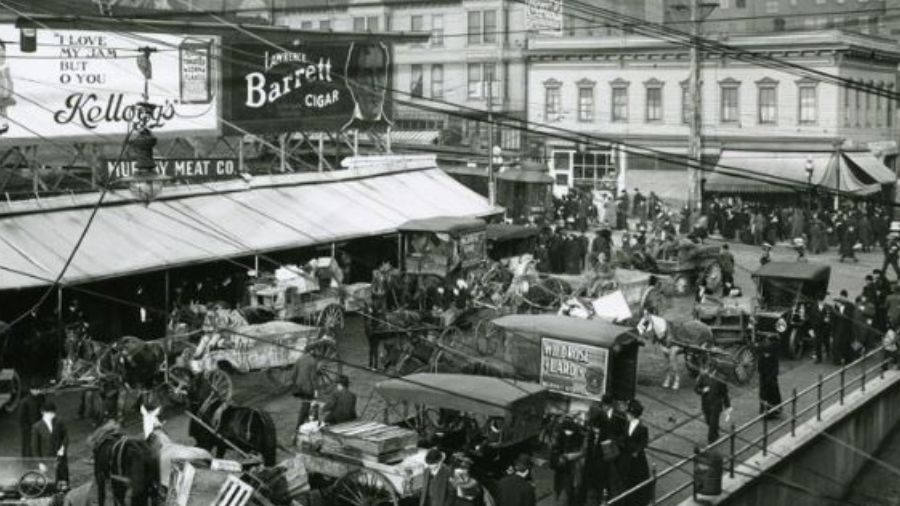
{"points": [[59, 320], [166, 286], [399, 251], [332, 250], [241, 155], [256, 264], [281, 141], [321, 152]]}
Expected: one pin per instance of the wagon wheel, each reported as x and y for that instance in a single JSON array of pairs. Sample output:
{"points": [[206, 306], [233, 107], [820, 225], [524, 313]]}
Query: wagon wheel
{"points": [[444, 361], [331, 318], [682, 284], [744, 364], [364, 487], [15, 393], [329, 366], [220, 383], [712, 275], [178, 383], [32, 484]]}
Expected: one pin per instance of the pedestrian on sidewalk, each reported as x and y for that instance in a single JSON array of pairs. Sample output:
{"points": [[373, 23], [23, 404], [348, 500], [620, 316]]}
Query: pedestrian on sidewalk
{"points": [[516, 489], [714, 399], [436, 489], [767, 365], [29, 414], [303, 382], [819, 329], [632, 463], [567, 461], [50, 440]]}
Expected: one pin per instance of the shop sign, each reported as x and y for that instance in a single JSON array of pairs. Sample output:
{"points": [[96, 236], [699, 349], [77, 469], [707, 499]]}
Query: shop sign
{"points": [[185, 169], [544, 16], [85, 85], [306, 87], [575, 369]]}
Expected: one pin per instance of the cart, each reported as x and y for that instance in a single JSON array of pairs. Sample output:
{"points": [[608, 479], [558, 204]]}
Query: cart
{"points": [[731, 343], [508, 244], [28, 481], [692, 263], [272, 347], [310, 295]]}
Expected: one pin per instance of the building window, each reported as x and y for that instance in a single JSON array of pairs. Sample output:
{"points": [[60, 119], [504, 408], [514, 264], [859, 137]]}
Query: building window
{"points": [[740, 4], [686, 102], [772, 6], [878, 107], [474, 79], [869, 105], [416, 80], [858, 106], [372, 23], [437, 81], [619, 99], [847, 117], [889, 105], [482, 27], [589, 169], [437, 30], [653, 105], [821, 2], [724, 4], [730, 108], [368, 23], [552, 100], [479, 75], [325, 25], [767, 99], [416, 23], [585, 100], [306, 25], [808, 102]]}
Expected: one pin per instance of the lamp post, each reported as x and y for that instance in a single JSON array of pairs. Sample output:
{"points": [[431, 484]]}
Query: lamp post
{"points": [[145, 183], [809, 174]]}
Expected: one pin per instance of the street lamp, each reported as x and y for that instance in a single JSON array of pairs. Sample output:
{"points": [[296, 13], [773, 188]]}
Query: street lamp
{"points": [[145, 183]]}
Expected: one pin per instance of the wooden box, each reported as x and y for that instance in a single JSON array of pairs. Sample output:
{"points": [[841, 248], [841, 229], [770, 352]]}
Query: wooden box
{"points": [[364, 438]]}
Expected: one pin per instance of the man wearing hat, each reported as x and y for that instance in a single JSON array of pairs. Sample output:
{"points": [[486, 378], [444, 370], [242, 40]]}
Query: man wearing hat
{"points": [[303, 382], [800, 248], [49, 440], [766, 254], [632, 463], [714, 399], [29, 414], [436, 489], [515, 489], [892, 251]]}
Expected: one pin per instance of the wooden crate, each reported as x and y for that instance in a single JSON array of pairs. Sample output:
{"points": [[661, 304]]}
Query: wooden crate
{"points": [[365, 438]]}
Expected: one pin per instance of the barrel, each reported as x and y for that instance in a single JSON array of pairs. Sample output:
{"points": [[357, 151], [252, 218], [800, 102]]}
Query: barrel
{"points": [[708, 473]]}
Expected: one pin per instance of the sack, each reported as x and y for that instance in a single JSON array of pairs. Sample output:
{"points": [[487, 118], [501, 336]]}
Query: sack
{"points": [[610, 450]]}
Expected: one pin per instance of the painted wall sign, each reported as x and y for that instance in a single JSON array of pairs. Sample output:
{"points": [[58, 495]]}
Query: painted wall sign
{"points": [[544, 16], [575, 369], [81, 84], [321, 87], [179, 168]]}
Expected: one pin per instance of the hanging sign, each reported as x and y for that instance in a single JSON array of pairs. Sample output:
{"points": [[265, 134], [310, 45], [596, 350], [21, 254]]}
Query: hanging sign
{"points": [[574, 369], [312, 87], [185, 169], [85, 85]]}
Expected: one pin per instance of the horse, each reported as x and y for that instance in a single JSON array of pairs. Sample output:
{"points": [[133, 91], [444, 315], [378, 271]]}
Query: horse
{"points": [[673, 338], [164, 449], [130, 465], [249, 429]]}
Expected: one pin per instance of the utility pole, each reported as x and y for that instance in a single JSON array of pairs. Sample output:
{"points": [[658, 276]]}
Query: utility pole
{"points": [[492, 186], [695, 140]]}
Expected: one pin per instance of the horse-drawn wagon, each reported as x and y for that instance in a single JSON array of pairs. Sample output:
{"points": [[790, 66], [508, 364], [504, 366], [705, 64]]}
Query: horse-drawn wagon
{"points": [[311, 294], [691, 264]]}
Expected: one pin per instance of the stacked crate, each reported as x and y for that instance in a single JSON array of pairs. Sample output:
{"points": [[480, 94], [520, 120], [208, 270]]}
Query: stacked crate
{"points": [[369, 441]]}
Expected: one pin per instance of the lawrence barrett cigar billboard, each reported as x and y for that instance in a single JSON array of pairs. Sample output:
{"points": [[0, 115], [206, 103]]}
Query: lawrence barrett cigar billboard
{"points": [[312, 87], [84, 84]]}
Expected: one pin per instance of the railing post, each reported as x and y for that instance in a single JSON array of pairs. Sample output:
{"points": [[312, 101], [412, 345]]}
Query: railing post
{"points": [[862, 377], [819, 399], [731, 438], [794, 413], [765, 435], [653, 475], [841, 393]]}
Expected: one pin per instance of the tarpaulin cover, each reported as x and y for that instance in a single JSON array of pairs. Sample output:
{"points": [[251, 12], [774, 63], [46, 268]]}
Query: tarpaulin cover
{"points": [[130, 238], [462, 392]]}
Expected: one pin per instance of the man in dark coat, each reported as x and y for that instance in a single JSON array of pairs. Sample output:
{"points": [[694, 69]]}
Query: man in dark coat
{"points": [[341, 407], [891, 255], [606, 429], [726, 260], [303, 382], [819, 328], [29, 414], [436, 489], [714, 399], [767, 366], [516, 489], [892, 306], [50, 440], [843, 328], [632, 463]]}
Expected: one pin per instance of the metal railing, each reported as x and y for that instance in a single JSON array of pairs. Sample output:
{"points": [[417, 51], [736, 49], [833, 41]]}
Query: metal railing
{"points": [[758, 432]]}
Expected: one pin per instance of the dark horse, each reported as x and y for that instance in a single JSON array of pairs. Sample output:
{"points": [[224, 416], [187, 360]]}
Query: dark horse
{"points": [[250, 429], [130, 465]]}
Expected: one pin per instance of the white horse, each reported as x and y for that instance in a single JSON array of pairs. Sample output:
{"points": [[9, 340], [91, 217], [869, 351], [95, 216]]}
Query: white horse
{"points": [[658, 330], [167, 450]]}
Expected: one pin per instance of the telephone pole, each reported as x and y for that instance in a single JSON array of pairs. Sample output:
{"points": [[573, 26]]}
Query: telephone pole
{"points": [[699, 10], [492, 187]]}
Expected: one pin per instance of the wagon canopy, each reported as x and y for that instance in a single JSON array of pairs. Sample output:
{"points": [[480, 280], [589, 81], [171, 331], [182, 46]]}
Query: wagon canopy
{"points": [[507, 232], [461, 392], [794, 270], [589, 332], [445, 224]]}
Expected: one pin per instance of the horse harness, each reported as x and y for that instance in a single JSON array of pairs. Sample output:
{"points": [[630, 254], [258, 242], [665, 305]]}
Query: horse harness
{"points": [[213, 412]]}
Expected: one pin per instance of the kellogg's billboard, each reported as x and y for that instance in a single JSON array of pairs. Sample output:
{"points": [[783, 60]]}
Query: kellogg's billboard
{"points": [[82, 84], [312, 87]]}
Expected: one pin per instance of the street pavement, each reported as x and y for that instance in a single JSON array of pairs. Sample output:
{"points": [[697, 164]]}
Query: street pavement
{"points": [[672, 416]]}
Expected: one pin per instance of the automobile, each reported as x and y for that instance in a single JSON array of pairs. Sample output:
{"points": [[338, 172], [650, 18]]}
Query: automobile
{"points": [[784, 291]]}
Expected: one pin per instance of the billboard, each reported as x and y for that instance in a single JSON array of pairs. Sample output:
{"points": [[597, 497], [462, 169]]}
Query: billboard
{"points": [[574, 369], [544, 16], [83, 85], [306, 86]]}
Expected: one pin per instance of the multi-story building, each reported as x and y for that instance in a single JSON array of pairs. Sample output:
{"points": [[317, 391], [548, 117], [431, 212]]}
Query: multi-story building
{"points": [[633, 93]]}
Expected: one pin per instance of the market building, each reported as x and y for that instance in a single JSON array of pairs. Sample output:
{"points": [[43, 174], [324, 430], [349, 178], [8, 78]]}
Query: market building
{"points": [[631, 95]]}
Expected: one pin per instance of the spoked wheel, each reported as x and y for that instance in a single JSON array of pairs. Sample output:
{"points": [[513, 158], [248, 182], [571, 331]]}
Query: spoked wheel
{"points": [[221, 383], [329, 363], [364, 487], [713, 276], [32, 484], [178, 384], [332, 317], [14, 392], [744, 365]]}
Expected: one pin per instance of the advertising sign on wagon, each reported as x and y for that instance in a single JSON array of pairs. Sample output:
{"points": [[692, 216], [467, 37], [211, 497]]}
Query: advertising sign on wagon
{"points": [[84, 85], [311, 87], [575, 369]]}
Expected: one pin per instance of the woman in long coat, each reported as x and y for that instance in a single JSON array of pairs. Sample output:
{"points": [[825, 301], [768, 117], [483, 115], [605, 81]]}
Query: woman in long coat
{"points": [[633, 466]]}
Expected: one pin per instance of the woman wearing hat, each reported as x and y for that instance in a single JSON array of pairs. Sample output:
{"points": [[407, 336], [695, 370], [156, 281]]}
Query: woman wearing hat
{"points": [[633, 466]]}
